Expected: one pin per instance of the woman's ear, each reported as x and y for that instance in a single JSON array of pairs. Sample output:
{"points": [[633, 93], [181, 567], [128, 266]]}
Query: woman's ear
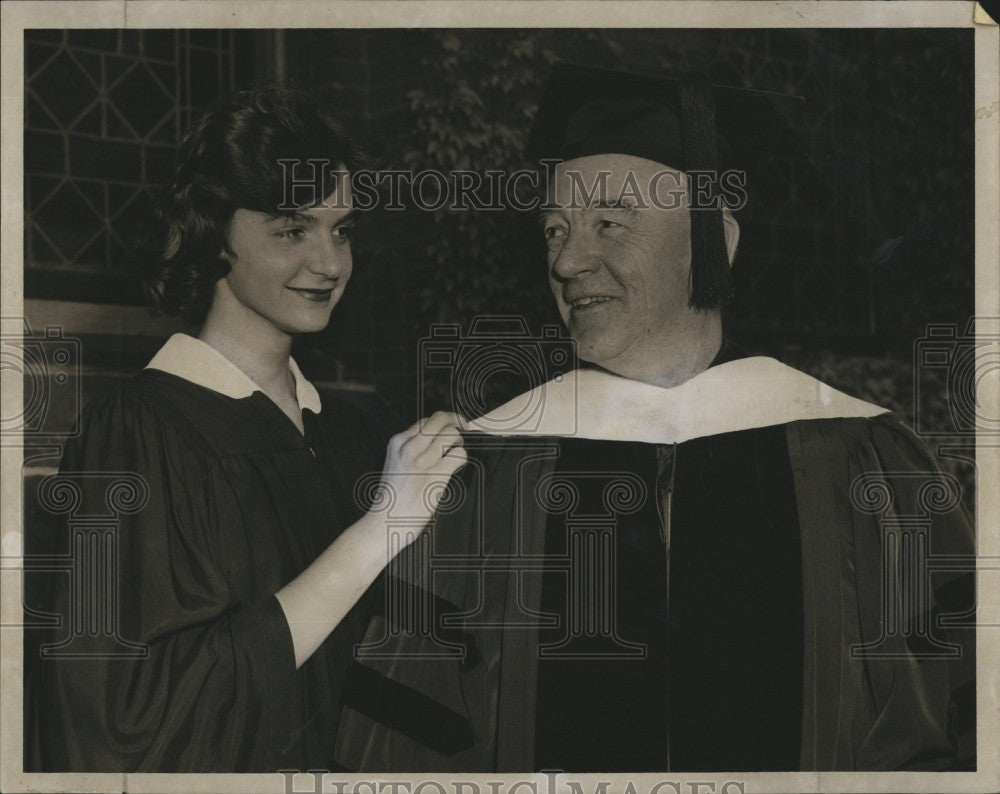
{"points": [[732, 231]]}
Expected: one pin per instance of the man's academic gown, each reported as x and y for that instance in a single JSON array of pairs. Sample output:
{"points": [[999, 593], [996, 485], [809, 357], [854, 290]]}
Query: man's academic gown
{"points": [[734, 574]]}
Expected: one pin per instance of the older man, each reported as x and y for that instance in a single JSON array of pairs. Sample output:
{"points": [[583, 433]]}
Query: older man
{"points": [[687, 559]]}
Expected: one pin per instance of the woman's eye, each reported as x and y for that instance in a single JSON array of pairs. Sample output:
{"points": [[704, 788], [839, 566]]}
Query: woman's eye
{"points": [[294, 233], [343, 233]]}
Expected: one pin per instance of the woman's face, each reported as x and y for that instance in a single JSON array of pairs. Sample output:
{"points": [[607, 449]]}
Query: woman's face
{"points": [[292, 269]]}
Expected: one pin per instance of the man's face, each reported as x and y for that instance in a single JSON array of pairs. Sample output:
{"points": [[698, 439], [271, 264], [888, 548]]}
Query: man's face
{"points": [[620, 271]]}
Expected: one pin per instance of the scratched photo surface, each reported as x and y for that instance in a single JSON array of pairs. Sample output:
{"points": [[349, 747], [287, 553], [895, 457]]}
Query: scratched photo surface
{"points": [[628, 582]]}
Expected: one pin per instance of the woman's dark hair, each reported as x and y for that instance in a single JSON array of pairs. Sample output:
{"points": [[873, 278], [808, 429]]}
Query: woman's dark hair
{"points": [[231, 159]]}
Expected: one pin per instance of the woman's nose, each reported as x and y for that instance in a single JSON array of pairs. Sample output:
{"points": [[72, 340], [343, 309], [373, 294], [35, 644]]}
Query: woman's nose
{"points": [[331, 259]]}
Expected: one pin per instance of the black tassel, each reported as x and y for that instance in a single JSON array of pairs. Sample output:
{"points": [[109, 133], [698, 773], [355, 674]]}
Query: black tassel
{"points": [[711, 277]]}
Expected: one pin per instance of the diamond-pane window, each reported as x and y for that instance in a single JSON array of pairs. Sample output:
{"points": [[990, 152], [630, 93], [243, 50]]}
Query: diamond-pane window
{"points": [[142, 100], [69, 222], [64, 88], [103, 118]]}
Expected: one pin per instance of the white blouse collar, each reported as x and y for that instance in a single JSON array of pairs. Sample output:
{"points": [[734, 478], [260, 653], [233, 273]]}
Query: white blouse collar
{"points": [[195, 361]]}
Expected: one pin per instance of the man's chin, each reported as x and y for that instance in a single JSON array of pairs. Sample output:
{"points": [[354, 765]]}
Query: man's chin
{"points": [[597, 355]]}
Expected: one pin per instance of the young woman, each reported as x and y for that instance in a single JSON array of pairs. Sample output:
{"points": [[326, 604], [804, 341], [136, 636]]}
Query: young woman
{"points": [[236, 582]]}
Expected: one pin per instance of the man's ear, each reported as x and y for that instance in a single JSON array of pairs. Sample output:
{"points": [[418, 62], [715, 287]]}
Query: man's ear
{"points": [[732, 230]]}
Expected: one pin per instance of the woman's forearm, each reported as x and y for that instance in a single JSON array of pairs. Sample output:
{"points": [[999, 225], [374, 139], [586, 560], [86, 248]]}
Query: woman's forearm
{"points": [[419, 463], [317, 600]]}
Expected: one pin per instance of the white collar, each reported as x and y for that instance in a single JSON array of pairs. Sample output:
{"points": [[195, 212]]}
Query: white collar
{"points": [[738, 395], [203, 365]]}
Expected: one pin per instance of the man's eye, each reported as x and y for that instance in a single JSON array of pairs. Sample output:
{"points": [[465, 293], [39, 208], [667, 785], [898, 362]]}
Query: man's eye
{"points": [[611, 229], [552, 232], [294, 233], [343, 233]]}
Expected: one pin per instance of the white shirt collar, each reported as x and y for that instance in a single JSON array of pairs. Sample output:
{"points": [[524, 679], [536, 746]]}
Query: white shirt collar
{"points": [[203, 365]]}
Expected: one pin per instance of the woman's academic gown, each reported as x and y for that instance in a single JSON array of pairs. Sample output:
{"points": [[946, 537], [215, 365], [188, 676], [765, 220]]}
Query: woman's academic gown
{"points": [[196, 672]]}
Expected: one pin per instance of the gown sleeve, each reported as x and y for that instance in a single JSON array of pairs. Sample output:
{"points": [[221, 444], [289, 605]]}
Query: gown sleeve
{"points": [[922, 666], [157, 665], [889, 600]]}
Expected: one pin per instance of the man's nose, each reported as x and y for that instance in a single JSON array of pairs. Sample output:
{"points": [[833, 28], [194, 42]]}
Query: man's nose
{"points": [[577, 255]]}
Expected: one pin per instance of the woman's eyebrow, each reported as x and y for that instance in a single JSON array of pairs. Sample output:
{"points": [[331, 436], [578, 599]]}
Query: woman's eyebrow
{"points": [[350, 217], [303, 218], [291, 217]]}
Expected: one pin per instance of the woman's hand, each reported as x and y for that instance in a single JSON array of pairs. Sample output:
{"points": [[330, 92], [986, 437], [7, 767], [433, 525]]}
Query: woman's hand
{"points": [[419, 462]]}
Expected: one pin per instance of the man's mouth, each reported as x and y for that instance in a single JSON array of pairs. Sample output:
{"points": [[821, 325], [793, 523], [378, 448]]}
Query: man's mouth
{"points": [[589, 301], [316, 295]]}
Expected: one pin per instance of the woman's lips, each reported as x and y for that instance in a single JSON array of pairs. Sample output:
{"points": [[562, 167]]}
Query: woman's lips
{"points": [[315, 295]]}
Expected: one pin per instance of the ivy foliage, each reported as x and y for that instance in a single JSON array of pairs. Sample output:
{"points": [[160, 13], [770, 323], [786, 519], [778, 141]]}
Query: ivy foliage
{"points": [[474, 113]]}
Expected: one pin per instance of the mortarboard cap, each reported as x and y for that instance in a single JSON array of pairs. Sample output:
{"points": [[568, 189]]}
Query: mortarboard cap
{"points": [[684, 123]]}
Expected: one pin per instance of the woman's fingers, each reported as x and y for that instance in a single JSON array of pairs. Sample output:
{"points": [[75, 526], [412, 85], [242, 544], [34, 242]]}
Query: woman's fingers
{"points": [[425, 441], [454, 459], [449, 438], [437, 422]]}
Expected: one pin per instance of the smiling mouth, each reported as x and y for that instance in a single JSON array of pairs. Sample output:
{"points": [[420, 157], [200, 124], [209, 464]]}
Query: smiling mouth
{"points": [[590, 301], [316, 295]]}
